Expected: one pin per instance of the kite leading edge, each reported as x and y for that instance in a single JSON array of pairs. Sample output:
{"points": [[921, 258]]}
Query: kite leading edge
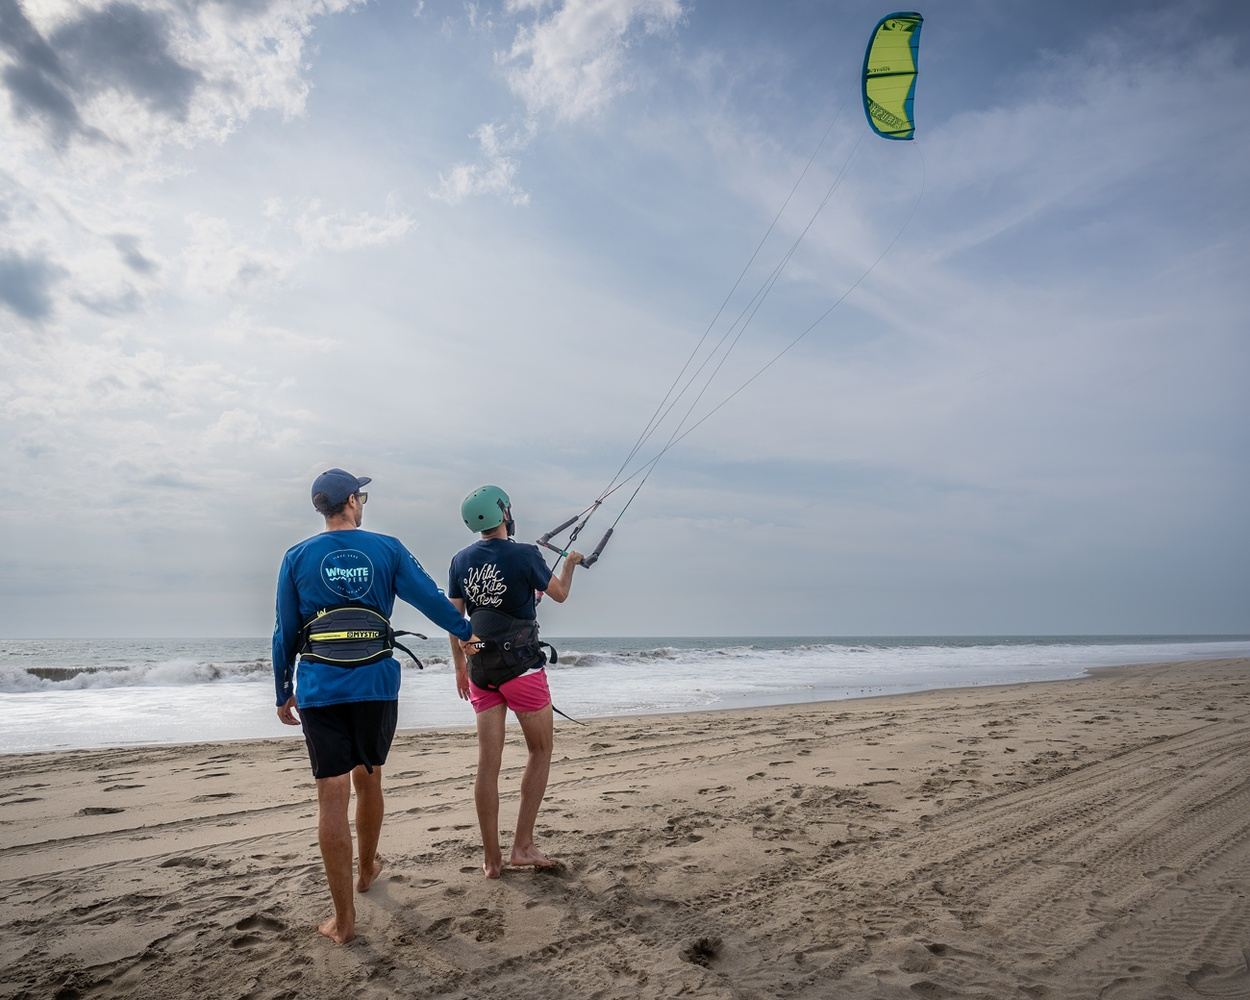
{"points": [[890, 65]]}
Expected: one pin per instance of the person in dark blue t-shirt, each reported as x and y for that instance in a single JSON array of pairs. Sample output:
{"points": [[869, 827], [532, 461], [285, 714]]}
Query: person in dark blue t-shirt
{"points": [[346, 688], [497, 580]]}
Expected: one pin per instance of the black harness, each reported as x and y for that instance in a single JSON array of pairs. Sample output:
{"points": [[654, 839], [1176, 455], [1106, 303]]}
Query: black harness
{"points": [[509, 647], [351, 635]]}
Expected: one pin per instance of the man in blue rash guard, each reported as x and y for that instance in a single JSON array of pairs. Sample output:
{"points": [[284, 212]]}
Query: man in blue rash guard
{"points": [[347, 712]]}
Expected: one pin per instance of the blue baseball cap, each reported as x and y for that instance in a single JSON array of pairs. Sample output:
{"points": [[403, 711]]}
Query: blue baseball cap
{"points": [[338, 485]]}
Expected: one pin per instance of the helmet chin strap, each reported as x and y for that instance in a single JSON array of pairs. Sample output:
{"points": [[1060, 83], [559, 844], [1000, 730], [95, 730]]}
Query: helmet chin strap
{"points": [[507, 518]]}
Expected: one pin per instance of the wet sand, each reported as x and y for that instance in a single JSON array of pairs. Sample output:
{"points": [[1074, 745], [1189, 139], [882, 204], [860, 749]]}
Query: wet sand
{"points": [[1070, 839]]}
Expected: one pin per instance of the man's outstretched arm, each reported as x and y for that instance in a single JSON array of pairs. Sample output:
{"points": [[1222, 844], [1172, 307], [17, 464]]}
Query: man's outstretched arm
{"points": [[414, 585]]}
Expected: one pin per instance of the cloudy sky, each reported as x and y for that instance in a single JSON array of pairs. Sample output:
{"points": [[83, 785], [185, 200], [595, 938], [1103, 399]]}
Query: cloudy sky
{"points": [[448, 243]]}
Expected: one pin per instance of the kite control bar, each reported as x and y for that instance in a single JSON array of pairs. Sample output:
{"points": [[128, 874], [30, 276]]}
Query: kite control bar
{"points": [[545, 541], [587, 561], [593, 558]]}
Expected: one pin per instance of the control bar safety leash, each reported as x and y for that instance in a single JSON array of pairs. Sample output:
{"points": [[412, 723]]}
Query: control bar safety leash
{"points": [[569, 717]]}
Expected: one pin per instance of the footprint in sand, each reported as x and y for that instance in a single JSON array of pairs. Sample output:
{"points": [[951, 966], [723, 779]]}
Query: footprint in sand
{"points": [[440, 930], [100, 810], [482, 925], [1221, 981], [702, 951], [183, 862], [1122, 988], [122, 788], [260, 922], [928, 988], [213, 797]]}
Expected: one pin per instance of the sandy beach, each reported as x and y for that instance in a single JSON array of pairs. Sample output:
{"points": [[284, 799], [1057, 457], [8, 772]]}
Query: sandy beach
{"points": [[1085, 838]]}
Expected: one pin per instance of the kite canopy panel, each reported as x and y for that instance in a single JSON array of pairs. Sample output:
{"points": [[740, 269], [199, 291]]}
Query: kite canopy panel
{"points": [[890, 66]]}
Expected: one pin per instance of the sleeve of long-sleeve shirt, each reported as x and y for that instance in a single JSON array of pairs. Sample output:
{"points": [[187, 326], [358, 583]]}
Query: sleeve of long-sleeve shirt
{"points": [[414, 585], [285, 634], [536, 568]]}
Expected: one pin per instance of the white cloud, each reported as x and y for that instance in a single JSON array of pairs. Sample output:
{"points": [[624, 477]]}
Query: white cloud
{"points": [[495, 173], [478, 21], [89, 125], [569, 64], [98, 419], [99, 252], [217, 258], [572, 63], [318, 229], [241, 327], [206, 68], [240, 426], [236, 426]]}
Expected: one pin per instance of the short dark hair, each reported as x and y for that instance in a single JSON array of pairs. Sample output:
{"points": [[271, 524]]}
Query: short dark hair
{"points": [[327, 509]]}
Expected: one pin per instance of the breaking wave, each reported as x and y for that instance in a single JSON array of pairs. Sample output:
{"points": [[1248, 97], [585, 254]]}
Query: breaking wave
{"points": [[30, 667], [174, 671]]}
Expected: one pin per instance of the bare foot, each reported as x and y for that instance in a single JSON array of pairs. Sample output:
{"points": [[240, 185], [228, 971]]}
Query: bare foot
{"points": [[530, 857], [363, 883], [330, 928], [492, 867]]}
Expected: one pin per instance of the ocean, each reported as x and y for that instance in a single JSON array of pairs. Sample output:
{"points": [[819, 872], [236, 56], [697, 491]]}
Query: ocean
{"points": [[62, 693]]}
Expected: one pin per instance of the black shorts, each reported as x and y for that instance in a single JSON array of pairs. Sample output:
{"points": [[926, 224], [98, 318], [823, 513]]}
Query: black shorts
{"points": [[341, 737]]}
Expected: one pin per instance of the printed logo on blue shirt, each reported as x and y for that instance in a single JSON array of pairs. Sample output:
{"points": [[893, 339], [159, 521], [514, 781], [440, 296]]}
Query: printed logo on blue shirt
{"points": [[347, 572]]}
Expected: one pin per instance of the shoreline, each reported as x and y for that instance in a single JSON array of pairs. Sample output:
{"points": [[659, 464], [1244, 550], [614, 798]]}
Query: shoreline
{"points": [[1087, 837], [1090, 673]]}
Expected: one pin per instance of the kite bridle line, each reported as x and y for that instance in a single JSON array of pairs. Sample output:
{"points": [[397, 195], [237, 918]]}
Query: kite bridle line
{"points": [[653, 423], [647, 467], [680, 432], [657, 417]]}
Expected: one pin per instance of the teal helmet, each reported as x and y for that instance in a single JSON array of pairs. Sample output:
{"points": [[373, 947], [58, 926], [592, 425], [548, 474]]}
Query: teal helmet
{"points": [[485, 508]]}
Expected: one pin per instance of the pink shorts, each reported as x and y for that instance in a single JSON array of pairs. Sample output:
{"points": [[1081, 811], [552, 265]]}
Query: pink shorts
{"points": [[527, 693]]}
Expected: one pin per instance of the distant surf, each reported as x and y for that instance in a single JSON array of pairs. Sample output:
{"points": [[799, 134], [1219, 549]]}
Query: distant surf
{"points": [[98, 692]]}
